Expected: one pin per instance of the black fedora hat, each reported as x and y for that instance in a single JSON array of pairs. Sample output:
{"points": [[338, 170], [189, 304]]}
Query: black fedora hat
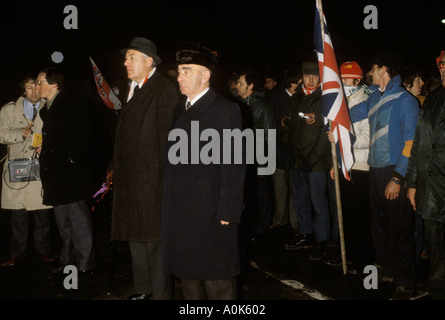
{"points": [[145, 46]]}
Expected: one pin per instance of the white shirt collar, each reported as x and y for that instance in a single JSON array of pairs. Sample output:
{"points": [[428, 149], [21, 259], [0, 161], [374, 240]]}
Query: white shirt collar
{"points": [[133, 84], [203, 92]]}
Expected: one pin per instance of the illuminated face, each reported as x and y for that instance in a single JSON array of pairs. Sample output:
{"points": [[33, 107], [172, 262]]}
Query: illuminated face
{"points": [[44, 89], [350, 82], [192, 79], [31, 92], [311, 81], [138, 65], [244, 90], [417, 86], [376, 74]]}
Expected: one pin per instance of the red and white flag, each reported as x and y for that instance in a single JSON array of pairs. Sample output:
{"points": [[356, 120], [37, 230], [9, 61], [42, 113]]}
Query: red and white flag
{"points": [[106, 94], [334, 107]]}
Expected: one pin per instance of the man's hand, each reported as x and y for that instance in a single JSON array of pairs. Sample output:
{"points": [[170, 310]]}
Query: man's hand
{"points": [[411, 194], [332, 173], [311, 119], [392, 190], [330, 136], [27, 132], [109, 177], [39, 149], [225, 223]]}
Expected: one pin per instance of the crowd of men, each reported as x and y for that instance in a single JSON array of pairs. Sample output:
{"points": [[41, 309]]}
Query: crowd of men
{"points": [[196, 221]]}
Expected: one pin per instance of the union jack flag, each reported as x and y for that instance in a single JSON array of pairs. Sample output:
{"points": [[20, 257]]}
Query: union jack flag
{"points": [[334, 107], [106, 94]]}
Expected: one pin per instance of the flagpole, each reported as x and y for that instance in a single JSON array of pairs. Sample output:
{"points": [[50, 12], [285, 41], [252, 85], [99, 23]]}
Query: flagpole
{"points": [[336, 176]]}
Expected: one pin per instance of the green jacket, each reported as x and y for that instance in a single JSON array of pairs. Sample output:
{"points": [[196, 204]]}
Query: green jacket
{"points": [[426, 166], [310, 147]]}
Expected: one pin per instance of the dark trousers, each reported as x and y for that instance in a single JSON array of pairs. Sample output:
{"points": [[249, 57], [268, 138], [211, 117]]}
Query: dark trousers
{"points": [[435, 249], [392, 229], [264, 204], [210, 289], [20, 230], [148, 276], [310, 198], [75, 227], [355, 211]]}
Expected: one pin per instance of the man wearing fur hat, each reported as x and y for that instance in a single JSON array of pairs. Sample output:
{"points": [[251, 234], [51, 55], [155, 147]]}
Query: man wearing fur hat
{"points": [[392, 113], [202, 202], [425, 181], [137, 167]]}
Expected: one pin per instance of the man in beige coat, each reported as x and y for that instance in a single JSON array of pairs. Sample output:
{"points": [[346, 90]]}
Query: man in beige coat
{"points": [[18, 124]]}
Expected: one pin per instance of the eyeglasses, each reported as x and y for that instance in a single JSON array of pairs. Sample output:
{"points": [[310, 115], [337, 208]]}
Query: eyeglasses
{"points": [[39, 82], [441, 64]]}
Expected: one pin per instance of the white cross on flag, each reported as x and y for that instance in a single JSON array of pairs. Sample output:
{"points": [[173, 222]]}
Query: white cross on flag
{"points": [[334, 107]]}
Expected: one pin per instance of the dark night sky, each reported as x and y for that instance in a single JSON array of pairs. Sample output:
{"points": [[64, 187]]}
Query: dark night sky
{"points": [[275, 35]]}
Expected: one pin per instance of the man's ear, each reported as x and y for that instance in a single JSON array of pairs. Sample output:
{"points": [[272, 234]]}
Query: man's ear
{"points": [[206, 75]]}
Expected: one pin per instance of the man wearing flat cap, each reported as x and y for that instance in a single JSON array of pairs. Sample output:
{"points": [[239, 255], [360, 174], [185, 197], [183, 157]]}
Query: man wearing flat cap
{"points": [[136, 169], [203, 201], [309, 162], [392, 113]]}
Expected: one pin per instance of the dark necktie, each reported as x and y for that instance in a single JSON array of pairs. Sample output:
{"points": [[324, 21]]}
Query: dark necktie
{"points": [[136, 89], [188, 105], [34, 109]]}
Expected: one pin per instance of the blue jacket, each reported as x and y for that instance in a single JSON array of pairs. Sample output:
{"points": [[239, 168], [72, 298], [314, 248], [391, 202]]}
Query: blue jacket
{"points": [[392, 120]]}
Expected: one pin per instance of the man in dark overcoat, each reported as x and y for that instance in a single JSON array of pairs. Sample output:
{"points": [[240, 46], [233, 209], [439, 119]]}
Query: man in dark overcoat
{"points": [[137, 167], [203, 195], [426, 184], [66, 168]]}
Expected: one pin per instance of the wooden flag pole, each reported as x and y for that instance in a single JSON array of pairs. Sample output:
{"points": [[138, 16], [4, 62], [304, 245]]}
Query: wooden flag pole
{"points": [[338, 201], [335, 165]]}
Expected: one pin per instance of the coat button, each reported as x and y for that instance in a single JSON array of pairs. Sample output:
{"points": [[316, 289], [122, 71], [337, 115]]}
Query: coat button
{"points": [[430, 173], [434, 146]]}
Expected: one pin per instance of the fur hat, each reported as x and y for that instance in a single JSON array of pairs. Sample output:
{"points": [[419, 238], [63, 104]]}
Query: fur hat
{"points": [[199, 55], [351, 70], [145, 46]]}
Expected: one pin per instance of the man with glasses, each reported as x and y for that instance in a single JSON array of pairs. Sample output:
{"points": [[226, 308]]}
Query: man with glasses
{"points": [[18, 121], [425, 178], [66, 171]]}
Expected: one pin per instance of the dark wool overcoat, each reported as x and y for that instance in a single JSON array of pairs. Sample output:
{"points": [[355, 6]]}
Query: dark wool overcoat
{"points": [[198, 196], [138, 160], [67, 157]]}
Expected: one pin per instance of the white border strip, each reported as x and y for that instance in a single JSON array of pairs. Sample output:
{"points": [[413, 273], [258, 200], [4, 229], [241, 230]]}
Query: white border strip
{"points": [[294, 284]]}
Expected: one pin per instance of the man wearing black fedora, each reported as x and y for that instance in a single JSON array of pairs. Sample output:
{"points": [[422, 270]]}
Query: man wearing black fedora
{"points": [[136, 168], [202, 202]]}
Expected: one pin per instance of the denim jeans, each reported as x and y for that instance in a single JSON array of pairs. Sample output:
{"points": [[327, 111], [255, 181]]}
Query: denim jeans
{"points": [[310, 199]]}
